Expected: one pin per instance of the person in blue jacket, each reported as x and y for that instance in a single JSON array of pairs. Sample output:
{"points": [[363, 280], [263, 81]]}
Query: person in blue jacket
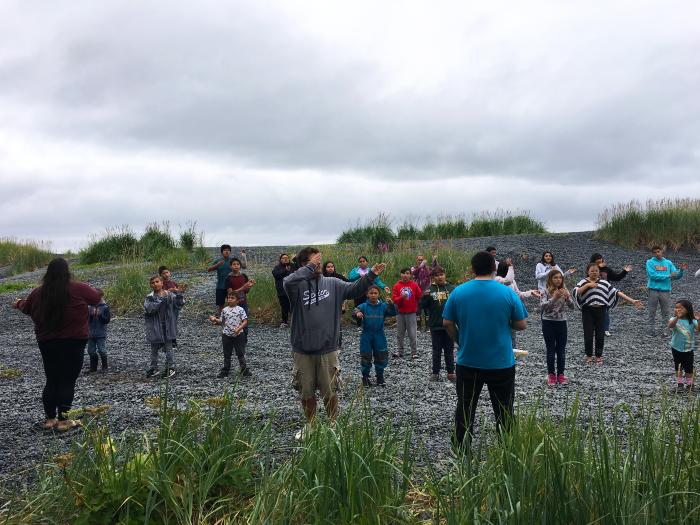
{"points": [[356, 273], [98, 317], [660, 273], [373, 340]]}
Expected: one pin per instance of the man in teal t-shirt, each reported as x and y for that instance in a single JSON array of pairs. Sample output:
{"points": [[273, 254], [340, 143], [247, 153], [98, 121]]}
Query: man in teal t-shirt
{"points": [[479, 314], [660, 273]]}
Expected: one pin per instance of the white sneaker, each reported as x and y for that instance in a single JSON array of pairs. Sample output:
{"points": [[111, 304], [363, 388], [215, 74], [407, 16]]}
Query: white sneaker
{"points": [[284, 325], [301, 434], [607, 333]]}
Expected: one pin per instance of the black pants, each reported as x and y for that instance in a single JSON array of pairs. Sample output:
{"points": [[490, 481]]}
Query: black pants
{"points": [[683, 360], [555, 334], [442, 344], [284, 306], [63, 360], [593, 325], [470, 381], [231, 343]]}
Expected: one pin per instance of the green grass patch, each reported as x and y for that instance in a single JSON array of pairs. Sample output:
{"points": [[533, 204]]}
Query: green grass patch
{"points": [[380, 229], [210, 462], [674, 223], [23, 256], [14, 286]]}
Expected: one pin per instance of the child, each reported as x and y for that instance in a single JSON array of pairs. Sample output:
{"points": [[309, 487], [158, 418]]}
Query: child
{"points": [[546, 265], [222, 266], [660, 273], [233, 321], [683, 326], [160, 308], [166, 276], [610, 275], [98, 317], [406, 294], [358, 272], [421, 274], [555, 300], [237, 283], [434, 301], [593, 296], [373, 340]]}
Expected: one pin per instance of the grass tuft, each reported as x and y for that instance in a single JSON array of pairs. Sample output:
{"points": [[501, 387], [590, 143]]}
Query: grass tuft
{"points": [[20, 257], [674, 223]]}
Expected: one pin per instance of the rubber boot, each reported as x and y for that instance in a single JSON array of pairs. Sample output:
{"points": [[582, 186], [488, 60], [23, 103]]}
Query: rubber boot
{"points": [[103, 358], [93, 363]]}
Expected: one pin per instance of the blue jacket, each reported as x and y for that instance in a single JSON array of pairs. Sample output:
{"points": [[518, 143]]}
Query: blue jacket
{"points": [[374, 315], [661, 279], [98, 317]]}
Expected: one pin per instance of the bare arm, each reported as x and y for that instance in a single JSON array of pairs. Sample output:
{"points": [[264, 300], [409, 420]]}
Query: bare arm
{"points": [[519, 325], [451, 328]]}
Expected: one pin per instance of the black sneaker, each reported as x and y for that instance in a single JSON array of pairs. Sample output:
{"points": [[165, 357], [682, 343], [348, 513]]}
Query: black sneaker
{"points": [[167, 373], [366, 382], [380, 380], [246, 372], [397, 354], [150, 372], [222, 373]]}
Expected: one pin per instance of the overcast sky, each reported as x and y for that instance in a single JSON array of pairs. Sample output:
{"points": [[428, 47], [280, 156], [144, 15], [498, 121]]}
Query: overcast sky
{"points": [[284, 122]]}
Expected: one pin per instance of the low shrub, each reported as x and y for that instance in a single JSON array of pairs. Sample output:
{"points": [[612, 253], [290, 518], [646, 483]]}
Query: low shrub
{"points": [[674, 223], [21, 257], [116, 244], [156, 241]]}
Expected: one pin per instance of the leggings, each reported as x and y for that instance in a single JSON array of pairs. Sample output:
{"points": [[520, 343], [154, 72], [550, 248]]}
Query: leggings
{"points": [[63, 360], [593, 325], [555, 333]]}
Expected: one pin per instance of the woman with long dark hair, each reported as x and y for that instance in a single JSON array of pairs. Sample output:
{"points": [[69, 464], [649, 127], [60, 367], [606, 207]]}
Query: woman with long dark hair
{"points": [[59, 310]]}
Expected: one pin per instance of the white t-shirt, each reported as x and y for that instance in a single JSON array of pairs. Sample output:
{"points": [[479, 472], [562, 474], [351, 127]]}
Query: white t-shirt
{"points": [[232, 318]]}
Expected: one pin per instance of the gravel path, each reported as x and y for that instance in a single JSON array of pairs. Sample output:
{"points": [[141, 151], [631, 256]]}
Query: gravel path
{"points": [[635, 366]]}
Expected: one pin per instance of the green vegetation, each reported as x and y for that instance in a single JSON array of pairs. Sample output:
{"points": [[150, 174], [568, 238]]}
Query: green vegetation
{"points": [[212, 462], [674, 223], [379, 229], [14, 286], [263, 296], [156, 244], [23, 256]]}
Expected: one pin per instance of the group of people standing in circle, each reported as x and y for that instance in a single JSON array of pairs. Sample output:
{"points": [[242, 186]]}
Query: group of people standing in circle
{"points": [[479, 316]]}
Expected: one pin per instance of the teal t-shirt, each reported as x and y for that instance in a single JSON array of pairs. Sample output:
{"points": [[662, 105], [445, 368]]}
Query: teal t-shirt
{"points": [[683, 338], [222, 271], [482, 311]]}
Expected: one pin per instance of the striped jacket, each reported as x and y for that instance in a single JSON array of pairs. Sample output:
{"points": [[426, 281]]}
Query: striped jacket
{"points": [[605, 294]]}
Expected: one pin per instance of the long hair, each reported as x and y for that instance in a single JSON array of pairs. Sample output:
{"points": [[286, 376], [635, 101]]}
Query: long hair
{"points": [[550, 253], [54, 294], [550, 284], [324, 268], [688, 307]]}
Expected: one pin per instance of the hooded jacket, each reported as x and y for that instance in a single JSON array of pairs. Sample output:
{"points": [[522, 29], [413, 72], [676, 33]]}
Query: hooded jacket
{"points": [[98, 317], [161, 316], [316, 302], [279, 272], [434, 300]]}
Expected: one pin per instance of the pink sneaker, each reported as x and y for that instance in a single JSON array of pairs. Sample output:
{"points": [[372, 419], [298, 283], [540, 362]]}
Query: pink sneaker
{"points": [[562, 379], [551, 379]]}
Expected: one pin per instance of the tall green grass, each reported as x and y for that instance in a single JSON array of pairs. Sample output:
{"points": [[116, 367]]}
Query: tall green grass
{"points": [[155, 244], [211, 462], [23, 256], [674, 223], [380, 230]]}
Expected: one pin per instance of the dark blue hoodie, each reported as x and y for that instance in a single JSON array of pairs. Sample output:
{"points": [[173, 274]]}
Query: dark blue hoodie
{"points": [[98, 317]]}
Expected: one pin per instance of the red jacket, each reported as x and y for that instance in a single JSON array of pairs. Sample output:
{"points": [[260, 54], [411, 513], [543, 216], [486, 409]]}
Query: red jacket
{"points": [[406, 305], [75, 320]]}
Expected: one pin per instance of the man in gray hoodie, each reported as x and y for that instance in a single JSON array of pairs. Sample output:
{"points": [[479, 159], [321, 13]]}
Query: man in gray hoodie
{"points": [[316, 302]]}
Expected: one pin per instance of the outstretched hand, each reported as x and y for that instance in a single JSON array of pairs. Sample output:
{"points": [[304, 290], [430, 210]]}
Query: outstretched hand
{"points": [[627, 268], [15, 304], [637, 304], [377, 269]]}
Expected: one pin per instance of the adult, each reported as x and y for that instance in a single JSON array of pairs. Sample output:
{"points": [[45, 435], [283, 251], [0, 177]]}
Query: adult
{"points": [[494, 253], [660, 273], [59, 310], [316, 303], [279, 272], [358, 272], [329, 271], [610, 275], [421, 273], [479, 314], [593, 296], [545, 266]]}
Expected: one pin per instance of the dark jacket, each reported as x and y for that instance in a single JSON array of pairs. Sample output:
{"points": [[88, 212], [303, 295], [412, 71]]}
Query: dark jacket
{"points": [[608, 274], [279, 272], [161, 316], [98, 317], [434, 301]]}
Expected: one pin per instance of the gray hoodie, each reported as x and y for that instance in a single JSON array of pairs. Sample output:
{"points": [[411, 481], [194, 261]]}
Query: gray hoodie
{"points": [[161, 316], [316, 302]]}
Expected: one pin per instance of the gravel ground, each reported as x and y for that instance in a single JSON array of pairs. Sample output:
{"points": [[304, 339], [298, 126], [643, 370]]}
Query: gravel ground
{"points": [[635, 365]]}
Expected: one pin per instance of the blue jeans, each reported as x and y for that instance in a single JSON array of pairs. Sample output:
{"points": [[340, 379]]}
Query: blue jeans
{"points": [[97, 345]]}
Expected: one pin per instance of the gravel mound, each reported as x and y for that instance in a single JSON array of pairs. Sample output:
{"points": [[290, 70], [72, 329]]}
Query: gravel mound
{"points": [[636, 366]]}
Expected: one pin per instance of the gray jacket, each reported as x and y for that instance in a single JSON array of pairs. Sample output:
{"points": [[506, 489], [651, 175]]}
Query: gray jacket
{"points": [[161, 316], [316, 302]]}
